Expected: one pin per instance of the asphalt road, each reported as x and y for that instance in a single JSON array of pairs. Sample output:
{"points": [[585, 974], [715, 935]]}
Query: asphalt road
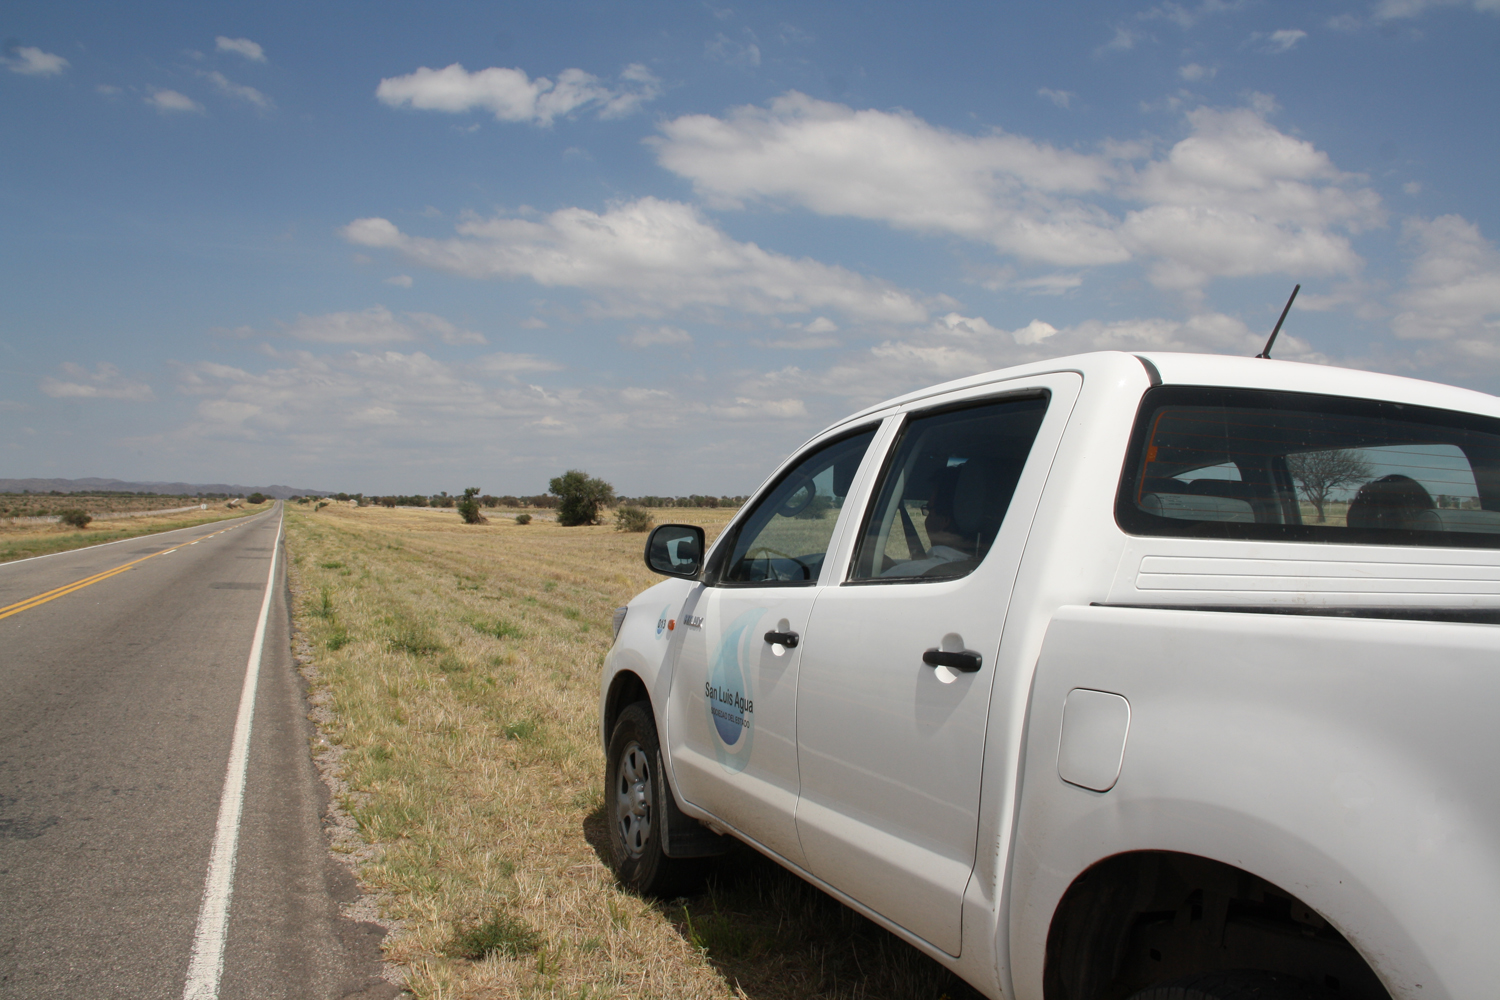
{"points": [[118, 704]]}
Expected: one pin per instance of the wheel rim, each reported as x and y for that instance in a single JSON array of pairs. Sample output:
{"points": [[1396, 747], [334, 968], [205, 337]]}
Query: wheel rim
{"points": [[633, 799]]}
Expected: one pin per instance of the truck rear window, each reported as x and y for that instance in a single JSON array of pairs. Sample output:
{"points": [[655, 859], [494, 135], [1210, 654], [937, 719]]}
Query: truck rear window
{"points": [[1243, 463]]}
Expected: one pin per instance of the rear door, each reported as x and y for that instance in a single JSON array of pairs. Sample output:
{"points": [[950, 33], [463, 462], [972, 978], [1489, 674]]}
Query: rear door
{"points": [[896, 675]]}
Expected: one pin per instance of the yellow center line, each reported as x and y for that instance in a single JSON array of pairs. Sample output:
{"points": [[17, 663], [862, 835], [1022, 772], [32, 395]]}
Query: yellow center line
{"points": [[68, 588]]}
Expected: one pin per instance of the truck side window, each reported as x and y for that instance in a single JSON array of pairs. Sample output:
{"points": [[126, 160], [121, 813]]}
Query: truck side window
{"points": [[945, 491], [1241, 463], [783, 540]]}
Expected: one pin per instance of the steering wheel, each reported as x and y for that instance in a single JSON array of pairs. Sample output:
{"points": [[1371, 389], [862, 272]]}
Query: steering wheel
{"points": [[766, 552]]}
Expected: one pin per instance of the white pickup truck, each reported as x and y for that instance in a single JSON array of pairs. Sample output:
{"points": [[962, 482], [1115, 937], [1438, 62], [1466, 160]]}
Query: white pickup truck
{"points": [[1163, 676]]}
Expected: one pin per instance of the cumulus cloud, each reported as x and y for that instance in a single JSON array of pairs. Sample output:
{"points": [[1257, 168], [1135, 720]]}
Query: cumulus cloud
{"points": [[644, 258], [1236, 197], [1188, 16], [1452, 293], [1059, 97], [1007, 190], [657, 336], [170, 101], [104, 382], [1387, 10], [512, 96], [1239, 198], [1278, 42], [399, 280], [32, 61], [229, 88], [725, 50], [375, 326], [240, 46], [1193, 72]]}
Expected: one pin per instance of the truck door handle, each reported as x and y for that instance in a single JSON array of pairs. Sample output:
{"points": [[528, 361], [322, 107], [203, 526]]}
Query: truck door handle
{"points": [[965, 662], [787, 639]]}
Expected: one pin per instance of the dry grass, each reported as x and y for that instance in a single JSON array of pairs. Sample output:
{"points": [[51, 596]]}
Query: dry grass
{"points": [[22, 541], [460, 665]]}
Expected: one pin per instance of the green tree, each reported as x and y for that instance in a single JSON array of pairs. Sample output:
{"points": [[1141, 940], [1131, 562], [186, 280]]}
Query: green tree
{"points": [[579, 497], [1320, 473], [256, 498], [468, 507]]}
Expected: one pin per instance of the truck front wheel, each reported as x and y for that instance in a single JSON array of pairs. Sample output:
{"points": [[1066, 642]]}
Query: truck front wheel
{"points": [[1235, 986], [636, 791]]}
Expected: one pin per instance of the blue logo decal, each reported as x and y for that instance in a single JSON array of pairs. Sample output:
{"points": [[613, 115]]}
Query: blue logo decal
{"points": [[728, 695], [663, 624]]}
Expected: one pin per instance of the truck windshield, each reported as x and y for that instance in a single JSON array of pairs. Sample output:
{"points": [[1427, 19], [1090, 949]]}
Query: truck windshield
{"points": [[1237, 463]]}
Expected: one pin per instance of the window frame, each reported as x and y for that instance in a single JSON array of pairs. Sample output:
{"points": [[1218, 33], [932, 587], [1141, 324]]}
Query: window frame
{"points": [[877, 485], [725, 544], [1134, 521]]}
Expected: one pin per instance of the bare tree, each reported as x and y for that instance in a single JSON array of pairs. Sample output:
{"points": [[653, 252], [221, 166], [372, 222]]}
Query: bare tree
{"points": [[1320, 473]]}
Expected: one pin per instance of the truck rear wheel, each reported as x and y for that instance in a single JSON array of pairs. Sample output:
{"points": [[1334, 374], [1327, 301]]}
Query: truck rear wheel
{"points": [[636, 789], [1235, 986]]}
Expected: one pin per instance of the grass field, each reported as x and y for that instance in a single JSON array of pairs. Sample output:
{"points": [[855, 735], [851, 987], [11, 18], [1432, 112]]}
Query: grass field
{"points": [[22, 541], [457, 669]]}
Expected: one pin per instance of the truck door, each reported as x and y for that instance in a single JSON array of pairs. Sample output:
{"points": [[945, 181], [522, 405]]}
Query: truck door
{"points": [[732, 710], [896, 674]]}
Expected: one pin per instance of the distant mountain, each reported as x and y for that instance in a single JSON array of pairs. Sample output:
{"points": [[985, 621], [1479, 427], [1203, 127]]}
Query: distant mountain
{"points": [[120, 486]]}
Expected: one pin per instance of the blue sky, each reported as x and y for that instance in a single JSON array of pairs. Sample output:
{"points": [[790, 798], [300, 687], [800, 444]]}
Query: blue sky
{"points": [[398, 247]]}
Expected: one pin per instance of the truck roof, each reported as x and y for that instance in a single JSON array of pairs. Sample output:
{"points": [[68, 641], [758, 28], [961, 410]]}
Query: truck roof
{"points": [[1226, 370]]}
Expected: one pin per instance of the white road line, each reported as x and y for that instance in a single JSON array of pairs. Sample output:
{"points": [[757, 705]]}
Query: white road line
{"points": [[213, 916]]}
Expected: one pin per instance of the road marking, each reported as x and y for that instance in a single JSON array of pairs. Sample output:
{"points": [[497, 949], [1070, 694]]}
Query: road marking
{"points": [[68, 588], [207, 965], [122, 541]]}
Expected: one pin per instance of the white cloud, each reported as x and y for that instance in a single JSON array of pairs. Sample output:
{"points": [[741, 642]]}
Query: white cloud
{"points": [[821, 325], [375, 326], [725, 50], [32, 61], [1239, 198], [512, 96], [1452, 293], [1278, 42], [657, 336], [1187, 17], [104, 382], [1412, 187], [1123, 41], [501, 363], [240, 46], [399, 280], [1059, 97], [1236, 197], [1007, 190], [1387, 10], [645, 258], [1193, 72], [172, 101], [238, 91]]}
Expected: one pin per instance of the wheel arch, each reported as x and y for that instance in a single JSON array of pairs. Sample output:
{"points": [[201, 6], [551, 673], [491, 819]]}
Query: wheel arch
{"points": [[625, 688], [1143, 917]]}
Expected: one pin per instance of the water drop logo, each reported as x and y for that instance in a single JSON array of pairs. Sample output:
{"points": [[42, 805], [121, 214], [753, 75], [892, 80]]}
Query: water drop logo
{"points": [[728, 695], [661, 623]]}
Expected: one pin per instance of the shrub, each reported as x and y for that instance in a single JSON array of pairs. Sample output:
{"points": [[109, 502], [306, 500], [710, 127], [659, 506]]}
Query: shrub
{"points": [[256, 498], [523, 518], [579, 497], [468, 507], [632, 518], [76, 518]]}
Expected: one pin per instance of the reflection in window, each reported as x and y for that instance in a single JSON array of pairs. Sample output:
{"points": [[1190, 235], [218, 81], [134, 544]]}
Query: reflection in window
{"points": [[946, 491], [784, 538], [1248, 464]]}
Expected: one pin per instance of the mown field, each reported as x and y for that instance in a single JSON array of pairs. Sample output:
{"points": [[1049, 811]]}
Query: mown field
{"points": [[456, 669], [22, 541]]}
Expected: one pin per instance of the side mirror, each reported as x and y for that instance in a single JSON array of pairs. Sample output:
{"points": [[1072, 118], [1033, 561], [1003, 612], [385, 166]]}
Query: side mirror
{"points": [[675, 550]]}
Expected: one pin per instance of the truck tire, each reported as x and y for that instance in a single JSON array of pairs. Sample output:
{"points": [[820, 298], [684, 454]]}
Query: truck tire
{"points": [[1238, 985], [634, 791]]}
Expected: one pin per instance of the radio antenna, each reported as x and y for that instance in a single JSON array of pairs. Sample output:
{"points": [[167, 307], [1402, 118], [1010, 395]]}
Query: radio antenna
{"points": [[1267, 352]]}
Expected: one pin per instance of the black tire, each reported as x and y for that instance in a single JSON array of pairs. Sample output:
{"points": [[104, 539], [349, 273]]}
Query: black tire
{"points": [[634, 791], [1239, 985]]}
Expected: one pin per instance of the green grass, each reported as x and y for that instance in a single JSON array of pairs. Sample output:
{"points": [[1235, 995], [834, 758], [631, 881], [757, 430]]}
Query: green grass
{"points": [[48, 540]]}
